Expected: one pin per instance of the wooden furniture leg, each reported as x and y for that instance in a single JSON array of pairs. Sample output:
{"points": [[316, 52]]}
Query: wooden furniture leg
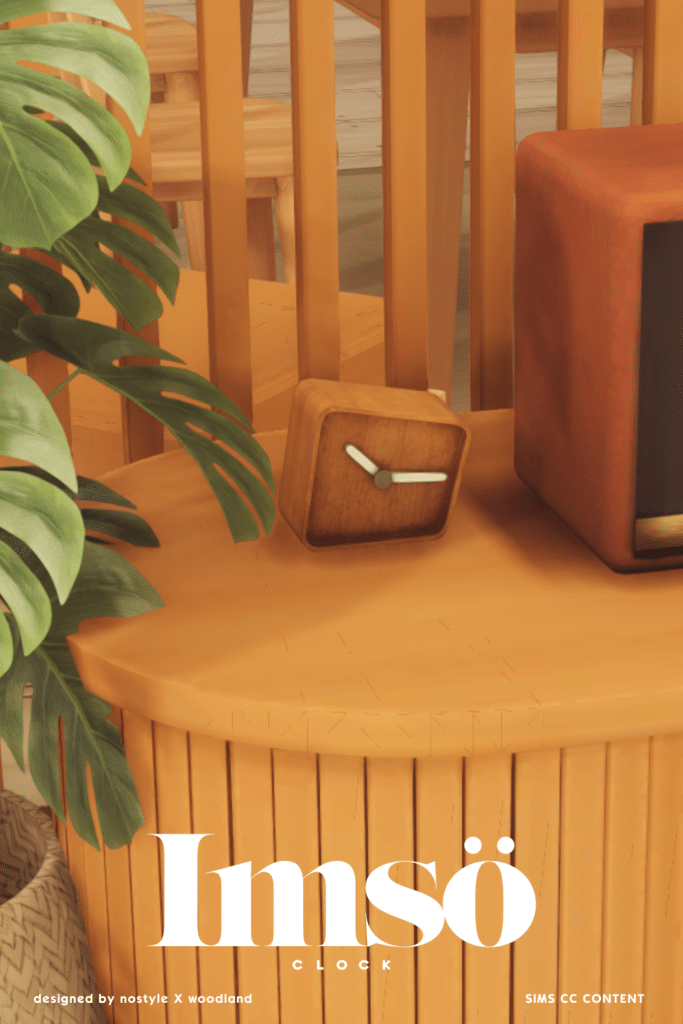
{"points": [[284, 212], [193, 219], [182, 87], [448, 62], [261, 239], [171, 211], [637, 86], [246, 16]]}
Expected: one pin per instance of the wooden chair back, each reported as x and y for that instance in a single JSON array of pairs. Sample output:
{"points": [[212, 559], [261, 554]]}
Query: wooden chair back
{"points": [[494, 27], [580, 38]]}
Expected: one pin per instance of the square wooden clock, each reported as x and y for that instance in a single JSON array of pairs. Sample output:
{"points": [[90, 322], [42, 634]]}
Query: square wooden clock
{"points": [[366, 463]]}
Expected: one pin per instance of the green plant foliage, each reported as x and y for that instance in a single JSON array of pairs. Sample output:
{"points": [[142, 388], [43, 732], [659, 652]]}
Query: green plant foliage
{"points": [[38, 165], [51, 579], [107, 584], [57, 565], [93, 347], [79, 250], [35, 512], [51, 289], [29, 428]]}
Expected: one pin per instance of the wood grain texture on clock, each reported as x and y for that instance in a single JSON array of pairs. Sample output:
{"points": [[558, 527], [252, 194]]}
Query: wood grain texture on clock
{"points": [[366, 463]]}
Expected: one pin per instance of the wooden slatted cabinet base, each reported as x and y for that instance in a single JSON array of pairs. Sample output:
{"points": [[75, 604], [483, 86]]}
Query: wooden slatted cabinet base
{"points": [[608, 917]]}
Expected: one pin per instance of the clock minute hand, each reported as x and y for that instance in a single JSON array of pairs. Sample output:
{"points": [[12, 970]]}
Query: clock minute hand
{"points": [[362, 460], [418, 478]]}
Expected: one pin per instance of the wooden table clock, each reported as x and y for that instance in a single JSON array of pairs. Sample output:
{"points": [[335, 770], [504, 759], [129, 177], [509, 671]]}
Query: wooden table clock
{"points": [[366, 463]]}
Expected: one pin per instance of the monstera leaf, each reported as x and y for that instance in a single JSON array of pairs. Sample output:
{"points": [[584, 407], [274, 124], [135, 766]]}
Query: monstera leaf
{"points": [[106, 585], [51, 579], [35, 514], [93, 348], [79, 250], [51, 289], [38, 165]]}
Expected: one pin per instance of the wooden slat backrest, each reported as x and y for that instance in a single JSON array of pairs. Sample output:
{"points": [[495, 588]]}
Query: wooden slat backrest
{"points": [[142, 435], [662, 79], [404, 144], [492, 185], [404, 159], [580, 39], [315, 187], [227, 274], [579, 63]]}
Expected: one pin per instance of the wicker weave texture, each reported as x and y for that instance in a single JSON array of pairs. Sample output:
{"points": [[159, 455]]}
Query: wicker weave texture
{"points": [[43, 946]]}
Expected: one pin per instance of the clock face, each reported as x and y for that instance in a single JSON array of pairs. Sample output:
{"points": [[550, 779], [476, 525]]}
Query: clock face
{"points": [[382, 478]]}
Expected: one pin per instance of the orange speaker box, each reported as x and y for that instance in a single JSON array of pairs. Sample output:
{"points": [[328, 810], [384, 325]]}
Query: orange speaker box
{"points": [[599, 337]]}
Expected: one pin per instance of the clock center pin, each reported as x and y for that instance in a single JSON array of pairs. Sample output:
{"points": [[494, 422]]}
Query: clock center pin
{"points": [[383, 479]]}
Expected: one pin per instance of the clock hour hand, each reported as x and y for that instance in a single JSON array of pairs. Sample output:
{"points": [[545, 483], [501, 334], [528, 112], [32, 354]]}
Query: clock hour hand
{"points": [[418, 478], [362, 460]]}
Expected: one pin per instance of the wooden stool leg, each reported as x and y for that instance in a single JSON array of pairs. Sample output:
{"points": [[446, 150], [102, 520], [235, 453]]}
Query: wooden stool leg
{"points": [[246, 17], [171, 211], [261, 239], [284, 212], [193, 217], [448, 63], [637, 86]]}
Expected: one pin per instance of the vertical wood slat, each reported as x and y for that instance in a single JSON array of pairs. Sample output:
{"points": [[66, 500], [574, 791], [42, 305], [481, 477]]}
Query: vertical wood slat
{"points": [[391, 837], [492, 211], [439, 838], [295, 797], [664, 885], [145, 869], [488, 816], [120, 921], [342, 837], [315, 187], [579, 63], [404, 175], [225, 203], [537, 854], [626, 812], [210, 816], [637, 86], [174, 810], [142, 434], [251, 804], [448, 83], [662, 79], [582, 833], [246, 19], [74, 848], [101, 967], [89, 874]]}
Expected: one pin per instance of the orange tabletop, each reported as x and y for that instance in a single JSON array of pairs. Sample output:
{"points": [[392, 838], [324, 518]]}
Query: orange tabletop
{"points": [[507, 634]]}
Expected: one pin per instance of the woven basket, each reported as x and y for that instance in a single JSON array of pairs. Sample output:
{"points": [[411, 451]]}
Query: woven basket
{"points": [[43, 946]]}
